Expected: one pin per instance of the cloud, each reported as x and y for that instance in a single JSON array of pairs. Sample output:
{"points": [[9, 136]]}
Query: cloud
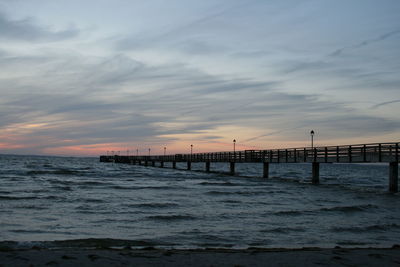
{"points": [[385, 103], [60, 98], [191, 35], [28, 30], [380, 38]]}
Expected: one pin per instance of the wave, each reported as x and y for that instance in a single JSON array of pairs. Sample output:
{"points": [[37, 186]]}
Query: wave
{"points": [[350, 208], [218, 183], [288, 212], [17, 198], [232, 201], [360, 229], [147, 187], [90, 200], [24, 231], [284, 230], [345, 209], [52, 197], [83, 243], [31, 207], [56, 171], [152, 205], [92, 183], [63, 188], [171, 217], [243, 193]]}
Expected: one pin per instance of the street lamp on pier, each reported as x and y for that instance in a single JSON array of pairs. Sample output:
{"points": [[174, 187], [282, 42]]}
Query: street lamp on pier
{"points": [[165, 151], [312, 138], [149, 151], [234, 145]]}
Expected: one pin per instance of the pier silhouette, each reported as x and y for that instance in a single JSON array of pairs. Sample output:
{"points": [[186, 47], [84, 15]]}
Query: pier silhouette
{"points": [[359, 153]]}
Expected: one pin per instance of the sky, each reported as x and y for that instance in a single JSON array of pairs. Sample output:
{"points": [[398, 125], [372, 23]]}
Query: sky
{"points": [[83, 78]]}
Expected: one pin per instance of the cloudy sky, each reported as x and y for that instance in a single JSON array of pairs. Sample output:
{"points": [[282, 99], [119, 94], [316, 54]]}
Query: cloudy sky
{"points": [[86, 77]]}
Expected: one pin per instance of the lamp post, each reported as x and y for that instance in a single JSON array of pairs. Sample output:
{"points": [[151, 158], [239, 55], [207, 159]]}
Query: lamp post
{"points": [[137, 152], [234, 145], [165, 151], [312, 138], [149, 151], [191, 151]]}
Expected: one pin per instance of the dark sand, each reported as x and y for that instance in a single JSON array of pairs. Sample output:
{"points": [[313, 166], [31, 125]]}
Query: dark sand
{"points": [[201, 257]]}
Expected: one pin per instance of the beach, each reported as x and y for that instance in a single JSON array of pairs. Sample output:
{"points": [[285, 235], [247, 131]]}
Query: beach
{"points": [[202, 257]]}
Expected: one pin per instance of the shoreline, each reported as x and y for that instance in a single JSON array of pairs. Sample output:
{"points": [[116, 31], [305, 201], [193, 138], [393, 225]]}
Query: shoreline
{"points": [[151, 256]]}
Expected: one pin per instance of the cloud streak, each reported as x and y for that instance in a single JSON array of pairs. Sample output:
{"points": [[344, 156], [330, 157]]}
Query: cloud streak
{"points": [[379, 38], [27, 30], [385, 103]]}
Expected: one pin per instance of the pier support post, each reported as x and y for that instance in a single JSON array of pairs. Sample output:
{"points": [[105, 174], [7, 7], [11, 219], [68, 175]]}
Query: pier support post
{"points": [[174, 165], [232, 168], [208, 166], [189, 165], [315, 172], [145, 163], [265, 169], [153, 163], [162, 164], [393, 176]]}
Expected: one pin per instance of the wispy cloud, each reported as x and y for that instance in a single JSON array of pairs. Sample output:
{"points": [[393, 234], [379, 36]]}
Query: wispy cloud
{"points": [[385, 103], [28, 30], [367, 42]]}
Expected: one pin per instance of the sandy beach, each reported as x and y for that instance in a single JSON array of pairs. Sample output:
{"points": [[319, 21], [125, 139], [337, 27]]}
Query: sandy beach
{"points": [[202, 257]]}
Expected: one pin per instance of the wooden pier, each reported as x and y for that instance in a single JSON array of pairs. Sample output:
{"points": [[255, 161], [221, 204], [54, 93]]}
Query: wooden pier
{"points": [[361, 153]]}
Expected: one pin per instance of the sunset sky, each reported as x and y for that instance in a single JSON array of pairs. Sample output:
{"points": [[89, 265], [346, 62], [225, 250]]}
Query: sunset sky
{"points": [[89, 76]]}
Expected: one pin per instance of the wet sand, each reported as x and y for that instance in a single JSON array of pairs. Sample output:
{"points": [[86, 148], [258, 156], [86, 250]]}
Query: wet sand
{"points": [[201, 257]]}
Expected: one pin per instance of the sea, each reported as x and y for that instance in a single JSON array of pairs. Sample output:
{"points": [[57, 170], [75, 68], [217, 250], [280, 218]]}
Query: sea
{"points": [[73, 201]]}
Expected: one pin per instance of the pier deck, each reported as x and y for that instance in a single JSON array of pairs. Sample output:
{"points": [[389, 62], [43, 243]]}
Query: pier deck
{"points": [[360, 153]]}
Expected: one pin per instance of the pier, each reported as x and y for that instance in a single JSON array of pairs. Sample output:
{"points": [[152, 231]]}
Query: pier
{"points": [[359, 153]]}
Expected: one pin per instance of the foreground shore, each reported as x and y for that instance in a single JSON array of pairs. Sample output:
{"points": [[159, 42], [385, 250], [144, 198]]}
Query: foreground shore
{"points": [[202, 257]]}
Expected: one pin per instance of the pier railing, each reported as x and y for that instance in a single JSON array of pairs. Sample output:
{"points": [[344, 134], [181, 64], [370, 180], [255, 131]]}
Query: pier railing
{"points": [[376, 152]]}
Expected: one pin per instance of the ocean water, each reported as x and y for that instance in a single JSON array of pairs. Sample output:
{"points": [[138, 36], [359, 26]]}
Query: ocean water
{"points": [[53, 201]]}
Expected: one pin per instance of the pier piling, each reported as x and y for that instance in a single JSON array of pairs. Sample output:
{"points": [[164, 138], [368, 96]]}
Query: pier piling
{"points": [[189, 165], [174, 165], [232, 168], [208, 166], [393, 176], [265, 169], [315, 172]]}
